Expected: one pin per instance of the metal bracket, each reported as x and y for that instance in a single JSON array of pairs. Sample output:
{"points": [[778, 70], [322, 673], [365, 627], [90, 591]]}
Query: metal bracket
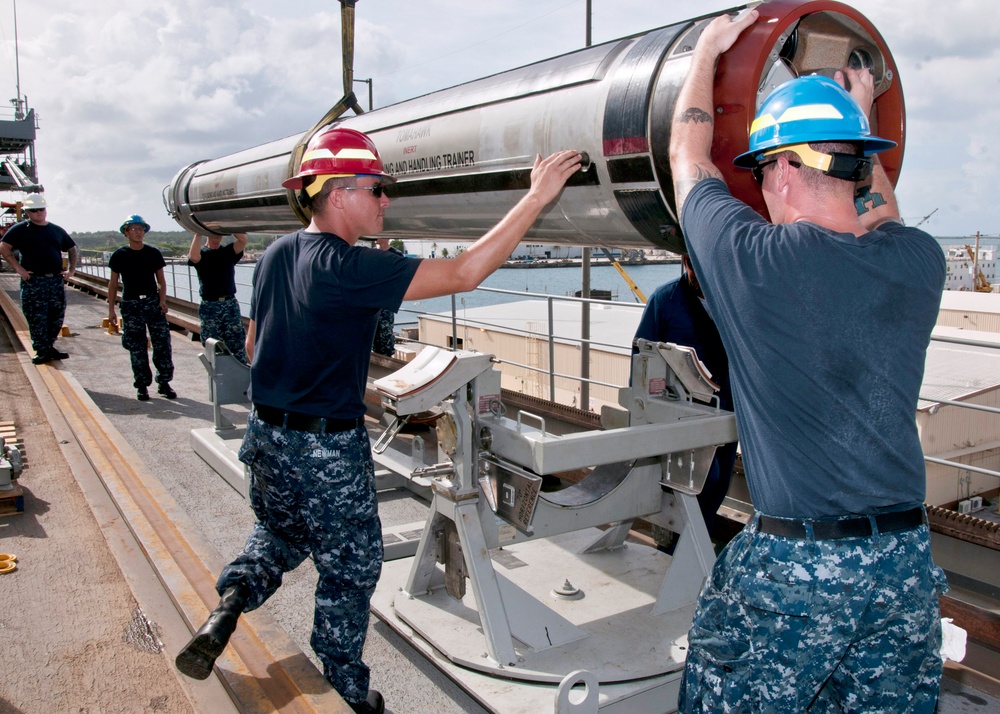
{"points": [[382, 443]]}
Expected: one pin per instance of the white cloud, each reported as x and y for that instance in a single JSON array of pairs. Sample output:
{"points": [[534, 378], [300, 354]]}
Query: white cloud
{"points": [[128, 93]]}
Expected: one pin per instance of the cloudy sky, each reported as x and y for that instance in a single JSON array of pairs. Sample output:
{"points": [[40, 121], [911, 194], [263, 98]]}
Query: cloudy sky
{"points": [[128, 93]]}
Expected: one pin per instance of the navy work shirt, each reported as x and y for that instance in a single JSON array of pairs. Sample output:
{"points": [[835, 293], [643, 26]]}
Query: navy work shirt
{"points": [[216, 271], [315, 305], [826, 334], [41, 247], [137, 269]]}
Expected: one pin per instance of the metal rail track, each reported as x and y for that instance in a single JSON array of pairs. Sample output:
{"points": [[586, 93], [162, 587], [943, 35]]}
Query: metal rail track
{"points": [[262, 670]]}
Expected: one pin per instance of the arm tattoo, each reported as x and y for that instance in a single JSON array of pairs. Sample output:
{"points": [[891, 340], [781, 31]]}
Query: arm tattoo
{"points": [[695, 115], [684, 186], [704, 171], [865, 200]]}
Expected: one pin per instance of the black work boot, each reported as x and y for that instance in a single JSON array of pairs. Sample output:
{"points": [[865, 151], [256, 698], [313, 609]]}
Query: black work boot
{"points": [[142, 394], [198, 656], [373, 704], [166, 391]]}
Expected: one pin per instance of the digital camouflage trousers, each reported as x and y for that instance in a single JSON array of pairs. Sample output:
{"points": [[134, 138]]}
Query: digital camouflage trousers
{"points": [[43, 304], [314, 494], [138, 316], [384, 342], [790, 625], [221, 320]]}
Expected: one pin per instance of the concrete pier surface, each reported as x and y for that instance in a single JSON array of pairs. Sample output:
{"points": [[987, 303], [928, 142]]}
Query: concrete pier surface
{"points": [[72, 634], [90, 672]]}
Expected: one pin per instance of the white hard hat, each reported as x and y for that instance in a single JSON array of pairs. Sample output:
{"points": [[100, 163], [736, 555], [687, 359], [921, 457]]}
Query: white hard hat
{"points": [[34, 201]]}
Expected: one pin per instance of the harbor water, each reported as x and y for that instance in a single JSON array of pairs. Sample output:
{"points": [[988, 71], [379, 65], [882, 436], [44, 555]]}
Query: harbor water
{"points": [[556, 281], [183, 283]]}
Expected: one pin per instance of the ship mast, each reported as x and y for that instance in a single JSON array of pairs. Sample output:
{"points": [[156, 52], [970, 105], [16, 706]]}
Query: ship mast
{"points": [[18, 111]]}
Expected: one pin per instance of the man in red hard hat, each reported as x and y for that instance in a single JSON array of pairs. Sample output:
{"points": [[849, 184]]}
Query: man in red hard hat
{"points": [[313, 314]]}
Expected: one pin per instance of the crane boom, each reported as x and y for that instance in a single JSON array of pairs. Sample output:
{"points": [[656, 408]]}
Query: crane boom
{"points": [[924, 219], [639, 295]]}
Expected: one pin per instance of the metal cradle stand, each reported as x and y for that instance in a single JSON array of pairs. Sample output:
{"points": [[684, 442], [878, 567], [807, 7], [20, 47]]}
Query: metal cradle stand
{"points": [[228, 382], [534, 601]]}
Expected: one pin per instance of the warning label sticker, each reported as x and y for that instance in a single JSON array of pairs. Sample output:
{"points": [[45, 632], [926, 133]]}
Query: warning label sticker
{"points": [[486, 402]]}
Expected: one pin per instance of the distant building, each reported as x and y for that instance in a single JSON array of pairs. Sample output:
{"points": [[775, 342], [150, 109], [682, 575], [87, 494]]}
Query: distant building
{"points": [[962, 267], [961, 373], [534, 251]]}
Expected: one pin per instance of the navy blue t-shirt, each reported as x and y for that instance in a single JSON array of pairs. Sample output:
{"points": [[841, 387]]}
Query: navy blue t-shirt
{"points": [[675, 314], [826, 335], [41, 247], [216, 272], [137, 269], [315, 305]]}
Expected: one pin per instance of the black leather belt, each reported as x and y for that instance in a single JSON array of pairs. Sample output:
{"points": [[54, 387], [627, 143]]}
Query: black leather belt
{"points": [[47, 275], [222, 299], [305, 422], [858, 527]]}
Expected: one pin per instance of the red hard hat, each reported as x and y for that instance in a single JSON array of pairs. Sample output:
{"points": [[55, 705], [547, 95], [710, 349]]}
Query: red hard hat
{"points": [[338, 152]]}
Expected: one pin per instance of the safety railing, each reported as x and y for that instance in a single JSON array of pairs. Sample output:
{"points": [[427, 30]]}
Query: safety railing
{"points": [[182, 283], [550, 335], [937, 403], [182, 280]]}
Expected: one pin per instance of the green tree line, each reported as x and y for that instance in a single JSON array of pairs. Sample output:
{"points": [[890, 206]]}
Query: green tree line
{"points": [[173, 244]]}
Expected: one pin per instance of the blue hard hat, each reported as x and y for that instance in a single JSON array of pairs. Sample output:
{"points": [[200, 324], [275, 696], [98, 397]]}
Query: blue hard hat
{"points": [[134, 219], [809, 109]]}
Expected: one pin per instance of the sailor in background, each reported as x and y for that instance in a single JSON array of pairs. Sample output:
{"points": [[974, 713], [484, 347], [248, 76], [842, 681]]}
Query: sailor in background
{"points": [[315, 304], [219, 310], [43, 297], [385, 337], [139, 267], [677, 312], [828, 599]]}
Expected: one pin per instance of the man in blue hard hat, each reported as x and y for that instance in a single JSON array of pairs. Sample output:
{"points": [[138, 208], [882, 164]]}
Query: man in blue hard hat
{"points": [[828, 599], [139, 267], [43, 297]]}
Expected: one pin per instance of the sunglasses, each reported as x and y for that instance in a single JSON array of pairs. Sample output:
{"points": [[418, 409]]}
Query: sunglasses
{"points": [[378, 190], [758, 170], [33, 210]]}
